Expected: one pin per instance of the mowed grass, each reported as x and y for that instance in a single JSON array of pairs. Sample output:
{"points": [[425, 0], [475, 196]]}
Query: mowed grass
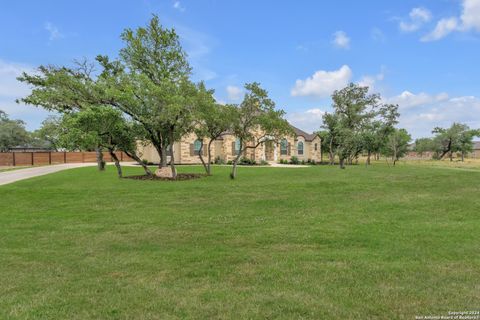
{"points": [[277, 243]]}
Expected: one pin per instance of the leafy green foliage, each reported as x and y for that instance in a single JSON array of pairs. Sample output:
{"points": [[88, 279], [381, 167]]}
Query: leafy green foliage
{"points": [[12, 132], [257, 114], [359, 123], [397, 144]]}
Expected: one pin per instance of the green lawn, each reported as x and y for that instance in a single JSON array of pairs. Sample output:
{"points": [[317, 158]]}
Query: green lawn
{"points": [[310, 243]]}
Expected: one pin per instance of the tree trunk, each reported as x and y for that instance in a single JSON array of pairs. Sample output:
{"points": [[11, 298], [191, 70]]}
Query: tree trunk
{"points": [[140, 162], [233, 175], [342, 163], [100, 162], [368, 157], [331, 155], [200, 155], [463, 156], [117, 163], [451, 156], [209, 166], [163, 157], [172, 158]]}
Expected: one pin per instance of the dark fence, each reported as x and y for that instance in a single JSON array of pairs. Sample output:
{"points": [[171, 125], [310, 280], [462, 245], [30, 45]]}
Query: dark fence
{"points": [[46, 158]]}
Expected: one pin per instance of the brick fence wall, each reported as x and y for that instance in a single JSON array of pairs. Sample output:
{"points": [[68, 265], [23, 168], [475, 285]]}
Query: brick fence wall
{"points": [[46, 158]]}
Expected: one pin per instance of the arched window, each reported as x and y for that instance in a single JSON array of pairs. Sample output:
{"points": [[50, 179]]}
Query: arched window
{"points": [[197, 145], [300, 148], [284, 147]]}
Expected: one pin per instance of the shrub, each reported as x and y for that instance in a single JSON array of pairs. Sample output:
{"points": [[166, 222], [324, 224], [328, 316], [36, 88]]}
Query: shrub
{"points": [[247, 162], [219, 160], [229, 162], [294, 160], [264, 163], [303, 162]]}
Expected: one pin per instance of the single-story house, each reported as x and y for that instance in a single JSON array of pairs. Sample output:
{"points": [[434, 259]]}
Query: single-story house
{"points": [[301, 144]]}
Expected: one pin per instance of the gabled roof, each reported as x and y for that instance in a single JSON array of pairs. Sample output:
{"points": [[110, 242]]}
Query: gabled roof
{"points": [[307, 136]]}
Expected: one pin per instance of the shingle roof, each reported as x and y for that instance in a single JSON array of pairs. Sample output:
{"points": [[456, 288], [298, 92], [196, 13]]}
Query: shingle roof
{"points": [[307, 136]]}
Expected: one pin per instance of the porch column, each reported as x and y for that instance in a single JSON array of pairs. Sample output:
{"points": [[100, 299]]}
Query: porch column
{"points": [[274, 152]]}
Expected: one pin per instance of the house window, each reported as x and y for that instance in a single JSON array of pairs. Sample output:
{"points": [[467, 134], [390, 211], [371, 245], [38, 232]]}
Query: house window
{"points": [[197, 145], [237, 146], [283, 147], [316, 147], [300, 148]]}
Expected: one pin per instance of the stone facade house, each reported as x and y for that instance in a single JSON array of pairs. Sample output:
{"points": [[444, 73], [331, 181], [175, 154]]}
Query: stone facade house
{"points": [[303, 145]]}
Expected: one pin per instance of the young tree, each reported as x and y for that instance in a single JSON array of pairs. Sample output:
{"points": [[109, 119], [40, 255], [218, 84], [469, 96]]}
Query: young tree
{"points": [[465, 141], [324, 143], [12, 132], [423, 145], [64, 90], [397, 144], [213, 120], [330, 135], [156, 53], [104, 128], [354, 109], [448, 141], [375, 132], [257, 114]]}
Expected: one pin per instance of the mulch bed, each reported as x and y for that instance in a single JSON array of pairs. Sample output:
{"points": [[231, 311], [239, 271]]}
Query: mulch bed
{"points": [[180, 177]]}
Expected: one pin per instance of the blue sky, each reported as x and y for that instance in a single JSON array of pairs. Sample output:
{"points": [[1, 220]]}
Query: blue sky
{"points": [[422, 55]]}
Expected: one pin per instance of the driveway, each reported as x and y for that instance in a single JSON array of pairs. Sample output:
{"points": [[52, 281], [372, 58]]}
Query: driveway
{"points": [[21, 174]]}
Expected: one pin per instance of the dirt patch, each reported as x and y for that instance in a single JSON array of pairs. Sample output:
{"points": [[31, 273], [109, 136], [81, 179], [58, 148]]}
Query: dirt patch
{"points": [[180, 177]]}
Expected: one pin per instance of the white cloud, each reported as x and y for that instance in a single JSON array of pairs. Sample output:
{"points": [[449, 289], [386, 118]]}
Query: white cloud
{"points": [[9, 85], [442, 112], [469, 20], [417, 17], [443, 28], [322, 83], [11, 89], [408, 99], [309, 120], [53, 31], [471, 14], [371, 81], [178, 6], [234, 93], [341, 40]]}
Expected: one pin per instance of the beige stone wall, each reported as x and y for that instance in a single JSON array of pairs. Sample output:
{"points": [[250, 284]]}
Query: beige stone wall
{"points": [[315, 151], [186, 157]]}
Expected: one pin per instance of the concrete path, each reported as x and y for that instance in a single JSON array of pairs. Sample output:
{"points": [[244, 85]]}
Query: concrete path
{"points": [[21, 174]]}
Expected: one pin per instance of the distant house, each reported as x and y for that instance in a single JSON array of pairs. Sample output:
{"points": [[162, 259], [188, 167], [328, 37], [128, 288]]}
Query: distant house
{"points": [[301, 144], [476, 150]]}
